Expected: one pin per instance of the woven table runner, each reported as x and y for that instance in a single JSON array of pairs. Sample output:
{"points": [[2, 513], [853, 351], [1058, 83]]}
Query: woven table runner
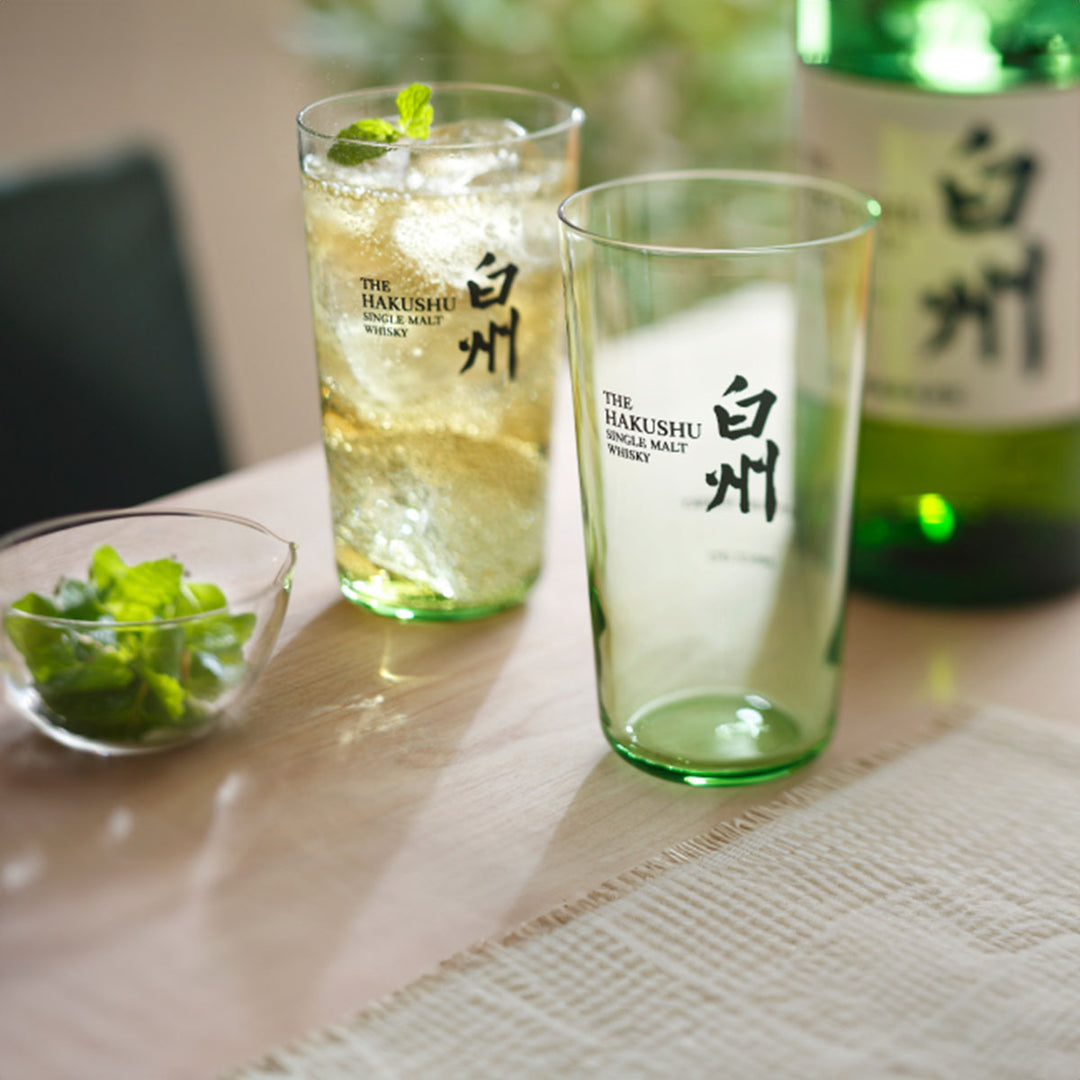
{"points": [[918, 919]]}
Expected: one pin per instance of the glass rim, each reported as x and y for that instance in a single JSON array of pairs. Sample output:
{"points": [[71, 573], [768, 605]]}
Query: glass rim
{"points": [[764, 178], [49, 526], [575, 115]]}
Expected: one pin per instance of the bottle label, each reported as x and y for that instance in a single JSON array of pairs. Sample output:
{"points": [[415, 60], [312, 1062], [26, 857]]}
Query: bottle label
{"points": [[976, 315]]}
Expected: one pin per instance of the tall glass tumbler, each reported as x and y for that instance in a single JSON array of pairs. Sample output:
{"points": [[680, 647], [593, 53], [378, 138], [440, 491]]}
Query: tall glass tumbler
{"points": [[437, 304], [716, 325]]}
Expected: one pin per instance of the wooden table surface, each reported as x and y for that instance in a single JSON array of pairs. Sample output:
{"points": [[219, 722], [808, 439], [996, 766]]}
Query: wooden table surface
{"points": [[395, 793]]}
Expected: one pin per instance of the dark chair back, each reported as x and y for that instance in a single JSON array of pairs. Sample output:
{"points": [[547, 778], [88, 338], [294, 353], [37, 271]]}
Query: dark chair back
{"points": [[103, 400]]}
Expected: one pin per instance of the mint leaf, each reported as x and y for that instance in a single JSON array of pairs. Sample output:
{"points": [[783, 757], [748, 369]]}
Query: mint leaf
{"points": [[222, 634], [415, 116], [216, 656], [210, 675], [106, 681], [46, 649], [106, 567], [414, 108], [104, 714], [102, 670], [78, 600], [371, 131], [168, 691], [147, 591], [197, 597], [163, 650], [35, 604]]}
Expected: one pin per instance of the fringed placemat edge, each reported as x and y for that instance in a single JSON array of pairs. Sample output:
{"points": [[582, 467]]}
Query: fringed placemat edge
{"points": [[945, 720]]}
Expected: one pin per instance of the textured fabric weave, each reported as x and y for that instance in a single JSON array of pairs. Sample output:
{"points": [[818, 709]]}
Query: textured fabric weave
{"points": [[917, 920]]}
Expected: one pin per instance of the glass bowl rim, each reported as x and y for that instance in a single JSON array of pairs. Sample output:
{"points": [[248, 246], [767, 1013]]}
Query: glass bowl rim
{"points": [[28, 533]]}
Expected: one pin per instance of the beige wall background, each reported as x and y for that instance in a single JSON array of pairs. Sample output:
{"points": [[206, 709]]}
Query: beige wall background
{"points": [[215, 85]]}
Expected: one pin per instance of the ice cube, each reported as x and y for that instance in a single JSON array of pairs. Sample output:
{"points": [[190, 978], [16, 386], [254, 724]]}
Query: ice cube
{"points": [[468, 153], [479, 130], [386, 172], [460, 515]]}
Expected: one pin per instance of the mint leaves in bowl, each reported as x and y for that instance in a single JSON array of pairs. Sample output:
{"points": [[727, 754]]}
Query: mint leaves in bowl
{"points": [[131, 631]]}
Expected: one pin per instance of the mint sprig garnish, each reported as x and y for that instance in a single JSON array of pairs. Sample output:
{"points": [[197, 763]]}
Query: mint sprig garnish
{"points": [[104, 680], [415, 115]]}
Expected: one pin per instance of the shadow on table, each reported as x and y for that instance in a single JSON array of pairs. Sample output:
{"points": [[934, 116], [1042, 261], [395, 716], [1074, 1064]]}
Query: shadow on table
{"points": [[903, 665], [620, 816], [614, 803], [270, 835]]}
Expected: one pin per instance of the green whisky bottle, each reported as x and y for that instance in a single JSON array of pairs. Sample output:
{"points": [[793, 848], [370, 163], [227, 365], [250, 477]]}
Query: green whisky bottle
{"points": [[963, 119]]}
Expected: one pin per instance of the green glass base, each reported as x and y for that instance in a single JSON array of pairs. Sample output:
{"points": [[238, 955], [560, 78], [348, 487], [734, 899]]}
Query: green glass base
{"points": [[715, 739], [408, 605]]}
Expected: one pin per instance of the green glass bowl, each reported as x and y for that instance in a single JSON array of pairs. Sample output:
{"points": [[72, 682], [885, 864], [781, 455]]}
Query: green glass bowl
{"points": [[133, 684]]}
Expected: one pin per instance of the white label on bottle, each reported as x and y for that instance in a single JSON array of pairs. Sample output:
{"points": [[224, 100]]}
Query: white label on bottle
{"points": [[976, 316]]}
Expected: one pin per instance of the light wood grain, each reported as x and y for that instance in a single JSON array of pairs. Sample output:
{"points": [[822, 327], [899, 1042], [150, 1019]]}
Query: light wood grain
{"points": [[394, 793]]}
